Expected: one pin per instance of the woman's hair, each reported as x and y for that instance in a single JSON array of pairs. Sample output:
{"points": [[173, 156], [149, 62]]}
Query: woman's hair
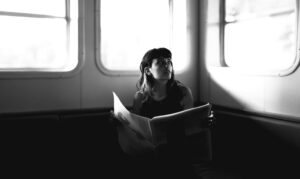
{"points": [[146, 82]]}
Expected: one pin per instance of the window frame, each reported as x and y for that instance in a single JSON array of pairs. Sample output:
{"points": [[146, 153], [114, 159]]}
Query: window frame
{"points": [[78, 53], [293, 67]]}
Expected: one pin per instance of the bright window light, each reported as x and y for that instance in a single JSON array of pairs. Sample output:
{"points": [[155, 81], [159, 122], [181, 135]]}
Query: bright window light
{"points": [[34, 38], [130, 28], [260, 34], [25, 49], [45, 7]]}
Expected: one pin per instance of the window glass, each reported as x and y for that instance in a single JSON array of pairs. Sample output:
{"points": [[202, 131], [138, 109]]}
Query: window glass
{"points": [[35, 42], [132, 27], [260, 34], [45, 7], [25, 49]]}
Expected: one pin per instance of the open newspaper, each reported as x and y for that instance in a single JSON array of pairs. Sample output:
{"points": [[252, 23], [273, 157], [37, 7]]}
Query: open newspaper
{"points": [[155, 129]]}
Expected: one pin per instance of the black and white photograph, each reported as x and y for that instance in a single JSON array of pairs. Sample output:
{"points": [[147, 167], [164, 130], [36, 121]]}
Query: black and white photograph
{"points": [[150, 89]]}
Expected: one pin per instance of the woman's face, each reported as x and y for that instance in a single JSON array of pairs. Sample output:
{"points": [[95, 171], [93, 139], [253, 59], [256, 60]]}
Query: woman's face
{"points": [[161, 69]]}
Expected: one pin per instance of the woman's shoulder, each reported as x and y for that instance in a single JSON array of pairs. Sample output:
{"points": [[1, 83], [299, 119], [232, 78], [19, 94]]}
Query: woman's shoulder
{"points": [[183, 88], [187, 99]]}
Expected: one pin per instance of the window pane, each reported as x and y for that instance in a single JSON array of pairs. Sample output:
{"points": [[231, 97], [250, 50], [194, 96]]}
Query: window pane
{"points": [[45, 7], [262, 34], [130, 28], [41, 43]]}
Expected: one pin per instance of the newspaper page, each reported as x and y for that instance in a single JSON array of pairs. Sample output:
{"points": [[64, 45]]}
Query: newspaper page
{"points": [[190, 120], [155, 130], [137, 123]]}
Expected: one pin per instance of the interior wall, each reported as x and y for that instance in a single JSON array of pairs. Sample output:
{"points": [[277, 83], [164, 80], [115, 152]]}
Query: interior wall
{"points": [[88, 87]]}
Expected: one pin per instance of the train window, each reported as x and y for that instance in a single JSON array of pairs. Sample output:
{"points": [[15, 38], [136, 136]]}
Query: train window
{"points": [[130, 28], [38, 35], [260, 35]]}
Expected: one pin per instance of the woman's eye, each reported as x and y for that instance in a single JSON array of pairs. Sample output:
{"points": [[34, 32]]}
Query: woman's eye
{"points": [[168, 62]]}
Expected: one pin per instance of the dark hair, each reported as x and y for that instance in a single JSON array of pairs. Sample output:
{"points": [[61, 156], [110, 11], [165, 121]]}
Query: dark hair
{"points": [[146, 82]]}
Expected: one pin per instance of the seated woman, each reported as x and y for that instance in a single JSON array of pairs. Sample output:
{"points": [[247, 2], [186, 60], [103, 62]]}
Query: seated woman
{"points": [[158, 94]]}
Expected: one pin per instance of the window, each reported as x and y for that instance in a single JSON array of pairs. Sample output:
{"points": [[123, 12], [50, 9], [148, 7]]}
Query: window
{"points": [[130, 28], [38, 35], [260, 34]]}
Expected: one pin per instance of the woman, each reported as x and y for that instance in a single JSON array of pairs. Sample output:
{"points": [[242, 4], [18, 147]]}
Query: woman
{"points": [[158, 94]]}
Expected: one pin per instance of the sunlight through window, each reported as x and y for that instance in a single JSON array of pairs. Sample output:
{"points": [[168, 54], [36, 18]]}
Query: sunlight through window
{"points": [[45, 7], [36, 36], [132, 27], [260, 34]]}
